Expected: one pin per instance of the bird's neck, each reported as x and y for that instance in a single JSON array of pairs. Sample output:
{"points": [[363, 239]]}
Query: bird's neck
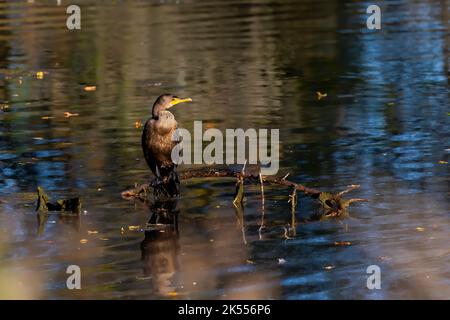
{"points": [[157, 108]]}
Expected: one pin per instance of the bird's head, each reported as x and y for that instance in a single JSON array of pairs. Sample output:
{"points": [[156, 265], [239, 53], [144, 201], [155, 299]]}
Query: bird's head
{"points": [[166, 101]]}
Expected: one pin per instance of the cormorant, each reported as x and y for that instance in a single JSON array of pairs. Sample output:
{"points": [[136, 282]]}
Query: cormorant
{"points": [[157, 144]]}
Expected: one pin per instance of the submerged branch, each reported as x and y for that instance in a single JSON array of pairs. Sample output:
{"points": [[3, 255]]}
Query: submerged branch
{"points": [[225, 173], [333, 204]]}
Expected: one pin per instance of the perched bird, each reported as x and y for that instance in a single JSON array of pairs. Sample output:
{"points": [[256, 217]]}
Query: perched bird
{"points": [[157, 144]]}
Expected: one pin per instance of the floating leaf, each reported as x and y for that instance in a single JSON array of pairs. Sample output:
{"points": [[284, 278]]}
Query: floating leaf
{"points": [[383, 258], [92, 232], [137, 124], [321, 95], [83, 241], [172, 294], [443, 162], [420, 229], [330, 267], [342, 243], [72, 205], [67, 205], [131, 228], [90, 88], [68, 114], [40, 75], [42, 200]]}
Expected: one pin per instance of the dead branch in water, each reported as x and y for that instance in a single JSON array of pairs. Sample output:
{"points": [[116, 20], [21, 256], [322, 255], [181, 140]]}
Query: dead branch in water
{"points": [[333, 204], [225, 173]]}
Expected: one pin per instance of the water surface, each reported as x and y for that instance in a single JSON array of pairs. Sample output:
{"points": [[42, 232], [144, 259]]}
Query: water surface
{"points": [[249, 64]]}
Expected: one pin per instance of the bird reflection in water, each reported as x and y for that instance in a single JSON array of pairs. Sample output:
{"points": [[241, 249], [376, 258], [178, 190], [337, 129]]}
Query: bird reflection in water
{"points": [[160, 246]]}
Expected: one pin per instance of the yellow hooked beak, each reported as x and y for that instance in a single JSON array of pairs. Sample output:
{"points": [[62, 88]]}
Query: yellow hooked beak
{"points": [[176, 101]]}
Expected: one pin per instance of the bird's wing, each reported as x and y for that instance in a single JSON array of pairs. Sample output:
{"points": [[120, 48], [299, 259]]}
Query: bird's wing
{"points": [[145, 143]]}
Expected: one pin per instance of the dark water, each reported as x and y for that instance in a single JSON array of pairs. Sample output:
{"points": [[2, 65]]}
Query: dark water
{"points": [[251, 64]]}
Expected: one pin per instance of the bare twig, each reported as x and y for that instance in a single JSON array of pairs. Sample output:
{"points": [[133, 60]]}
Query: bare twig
{"points": [[239, 210], [239, 196], [350, 188], [262, 206], [350, 201], [262, 191], [293, 200]]}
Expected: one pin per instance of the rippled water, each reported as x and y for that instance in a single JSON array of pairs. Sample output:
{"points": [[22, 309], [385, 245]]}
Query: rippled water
{"points": [[383, 124]]}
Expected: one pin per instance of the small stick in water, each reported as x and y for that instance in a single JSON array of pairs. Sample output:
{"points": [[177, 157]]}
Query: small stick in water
{"points": [[262, 206]]}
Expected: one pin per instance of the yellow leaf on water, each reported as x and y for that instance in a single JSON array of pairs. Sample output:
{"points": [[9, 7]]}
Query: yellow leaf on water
{"points": [[172, 294], [92, 232], [68, 114], [46, 117], [443, 162], [40, 75], [321, 95], [420, 229], [90, 88], [83, 241], [138, 124], [131, 228]]}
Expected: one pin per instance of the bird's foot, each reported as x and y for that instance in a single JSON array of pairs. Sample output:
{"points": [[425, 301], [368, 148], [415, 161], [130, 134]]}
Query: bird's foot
{"points": [[161, 188], [174, 183]]}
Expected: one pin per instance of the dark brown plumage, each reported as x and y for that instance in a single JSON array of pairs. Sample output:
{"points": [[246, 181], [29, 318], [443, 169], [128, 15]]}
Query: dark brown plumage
{"points": [[157, 143]]}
